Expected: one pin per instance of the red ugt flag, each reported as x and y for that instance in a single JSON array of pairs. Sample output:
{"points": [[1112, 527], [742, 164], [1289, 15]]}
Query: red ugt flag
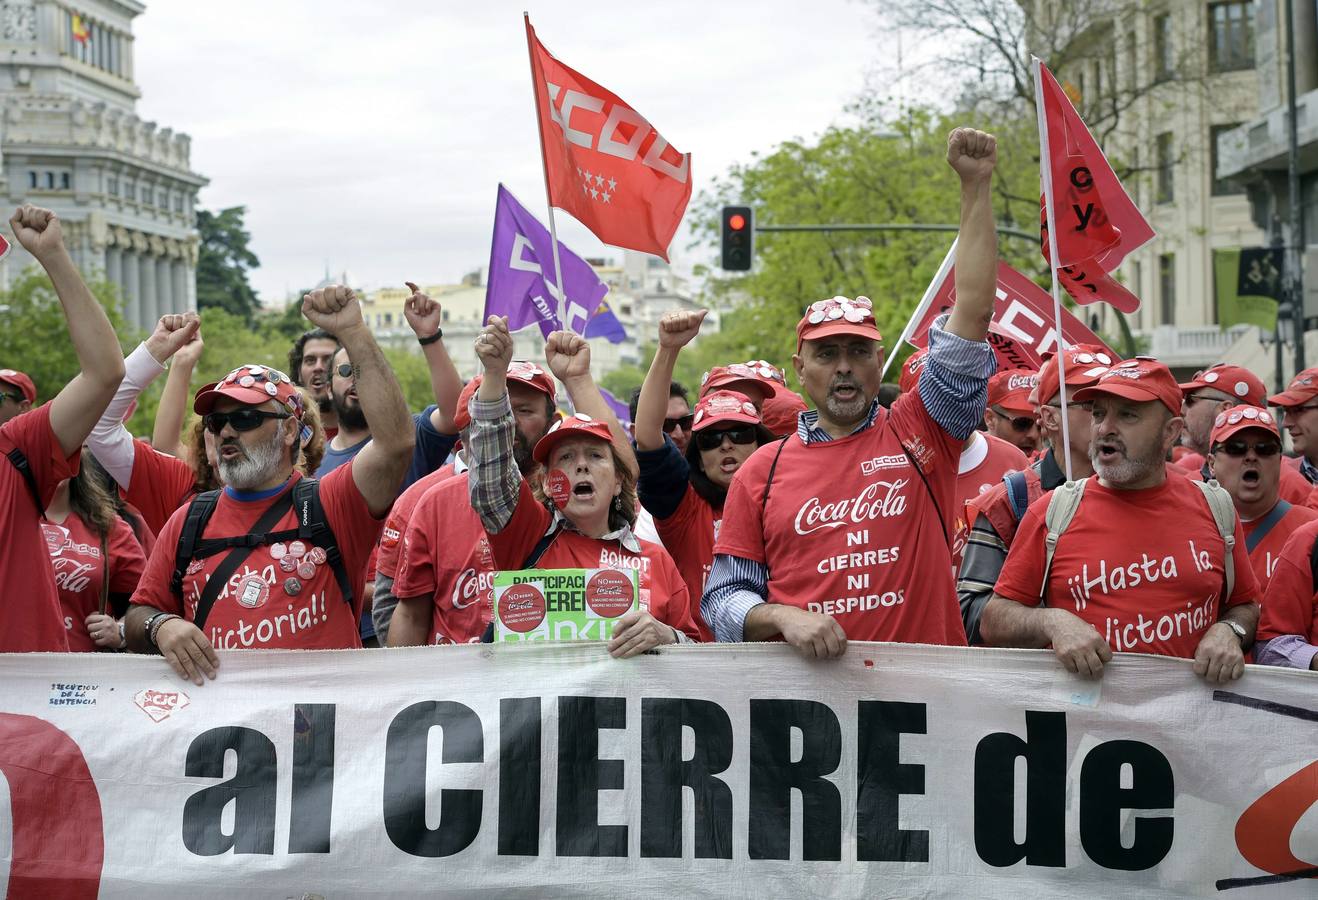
{"points": [[1097, 222], [605, 164]]}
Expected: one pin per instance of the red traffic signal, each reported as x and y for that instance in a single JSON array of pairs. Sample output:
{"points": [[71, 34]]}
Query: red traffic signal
{"points": [[738, 238]]}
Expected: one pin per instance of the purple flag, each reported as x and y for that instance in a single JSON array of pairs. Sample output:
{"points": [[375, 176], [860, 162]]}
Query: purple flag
{"points": [[521, 280], [620, 409]]}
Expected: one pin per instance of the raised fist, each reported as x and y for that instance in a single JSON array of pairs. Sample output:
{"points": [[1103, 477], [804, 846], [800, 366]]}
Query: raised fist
{"points": [[38, 230], [172, 333], [973, 154], [334, 308], [679, 327], [494, 346], [422, 313], [568, 355]]}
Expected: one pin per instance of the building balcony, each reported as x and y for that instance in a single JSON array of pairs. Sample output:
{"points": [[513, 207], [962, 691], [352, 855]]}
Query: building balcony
{"points": [[1263, 143], [1191, 347]]}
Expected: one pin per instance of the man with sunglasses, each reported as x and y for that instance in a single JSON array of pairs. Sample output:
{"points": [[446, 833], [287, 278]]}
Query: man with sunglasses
{"points": [[1010, 415], [282, 592], [996, 513], [1245, 458], [859, 494], [1141, 565], [17, 394], [43, 445], [677, 417]]}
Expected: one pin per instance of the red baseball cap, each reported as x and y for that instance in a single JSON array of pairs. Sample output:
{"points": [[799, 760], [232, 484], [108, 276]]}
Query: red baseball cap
{"points": [[779, 413], [739, 377], [575, 425], [20, 381], [910, 374], [723, 406], [838, 315], [1140, 379], [1084, 364], [519, 370], [252, 385], [1234, 381], [1239, 418], [1011, 389], [767, 371], [1303, 388]]}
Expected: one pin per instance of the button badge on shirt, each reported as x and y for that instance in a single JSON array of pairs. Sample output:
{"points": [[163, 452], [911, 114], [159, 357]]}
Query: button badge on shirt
{"points": [[253, 591], [306, 570], [298, 549], [278, 551], [292, 587], [288, 563]]}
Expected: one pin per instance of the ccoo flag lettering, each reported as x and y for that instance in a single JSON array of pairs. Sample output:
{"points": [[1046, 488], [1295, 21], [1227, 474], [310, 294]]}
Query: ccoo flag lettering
{"points": [[519, 288], [604, 163], [1097, 223]]}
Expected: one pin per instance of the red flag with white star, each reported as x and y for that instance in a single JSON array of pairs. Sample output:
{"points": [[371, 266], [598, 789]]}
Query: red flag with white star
{"points": [[604, 163]]}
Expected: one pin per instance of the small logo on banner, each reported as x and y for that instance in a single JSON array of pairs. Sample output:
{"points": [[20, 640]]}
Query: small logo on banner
{"points": [[609, 594], [160, 705]]}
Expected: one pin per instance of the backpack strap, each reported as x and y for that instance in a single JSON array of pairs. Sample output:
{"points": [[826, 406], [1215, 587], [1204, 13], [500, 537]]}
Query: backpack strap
{"points": [[1255, 537], [1062, 504], [220, 577], [1018, 493], [773, 467], [1224, 514], [314, 528], [199, 513], [942, 523], [20, 463]]}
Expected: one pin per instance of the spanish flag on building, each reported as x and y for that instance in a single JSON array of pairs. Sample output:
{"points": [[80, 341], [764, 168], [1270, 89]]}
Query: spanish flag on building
{"points": [[81, 33]]}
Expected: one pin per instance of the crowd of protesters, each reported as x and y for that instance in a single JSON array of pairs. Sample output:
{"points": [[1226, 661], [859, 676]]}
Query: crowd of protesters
{"points": [[312, 510]]}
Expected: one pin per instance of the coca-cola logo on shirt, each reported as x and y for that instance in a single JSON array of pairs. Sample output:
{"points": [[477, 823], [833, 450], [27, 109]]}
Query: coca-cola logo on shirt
{"points": [[58, 539], [472, 586], [878, 500]]}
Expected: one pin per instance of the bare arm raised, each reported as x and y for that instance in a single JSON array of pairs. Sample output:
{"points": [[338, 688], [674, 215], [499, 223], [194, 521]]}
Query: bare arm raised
{"points": [[974, 154], [676, 330], [425, 316], [568, 356]]}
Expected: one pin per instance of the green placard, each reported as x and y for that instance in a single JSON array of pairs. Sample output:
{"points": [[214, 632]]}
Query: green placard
{"points": [[1234, 307], [561, 604]]}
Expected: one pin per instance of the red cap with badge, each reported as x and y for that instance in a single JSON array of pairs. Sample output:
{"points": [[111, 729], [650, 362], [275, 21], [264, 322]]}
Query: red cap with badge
{"points": [[838, 315], [1084, 364], [252, 385], [780, 412], [1011, 389], [21, 381], [575, 425], [1236, 382], [519, 370], [1141, 379], [1239, 418], [724, 406], [1302, 389], [739, 377]]}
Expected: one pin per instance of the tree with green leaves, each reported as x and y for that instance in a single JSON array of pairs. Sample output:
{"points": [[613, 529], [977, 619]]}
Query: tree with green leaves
{"points": [[223, 261]]}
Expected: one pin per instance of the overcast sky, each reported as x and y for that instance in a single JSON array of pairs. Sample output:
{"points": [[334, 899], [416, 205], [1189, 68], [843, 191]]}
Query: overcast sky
{"points": [[371, 136]]}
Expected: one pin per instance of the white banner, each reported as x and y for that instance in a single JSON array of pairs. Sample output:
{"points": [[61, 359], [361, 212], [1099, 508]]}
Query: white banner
{"points": [[553, 770]]}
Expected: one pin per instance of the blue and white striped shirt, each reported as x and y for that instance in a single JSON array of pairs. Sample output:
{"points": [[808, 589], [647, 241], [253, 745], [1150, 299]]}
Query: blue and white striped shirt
{"points": [[954, 389]]}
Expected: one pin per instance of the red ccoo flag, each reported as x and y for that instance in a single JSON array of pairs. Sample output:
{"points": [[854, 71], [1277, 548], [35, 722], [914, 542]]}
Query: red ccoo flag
{"points": [[604, 163], [1096, 221]]}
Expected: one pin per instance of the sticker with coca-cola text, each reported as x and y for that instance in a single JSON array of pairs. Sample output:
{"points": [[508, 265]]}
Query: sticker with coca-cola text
{"points": [[558, 487], [160, 705], [521, 608], [609, 594]]}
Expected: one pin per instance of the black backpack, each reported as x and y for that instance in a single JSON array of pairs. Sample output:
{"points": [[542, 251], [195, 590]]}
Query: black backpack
{"points": [[312, 528]]}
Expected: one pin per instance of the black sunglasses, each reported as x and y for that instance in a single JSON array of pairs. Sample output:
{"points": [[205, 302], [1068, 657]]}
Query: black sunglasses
{"points": [[240, 419], [17, 398], [1020, 424], [670, 425], [712, 440], [1264, 448]]}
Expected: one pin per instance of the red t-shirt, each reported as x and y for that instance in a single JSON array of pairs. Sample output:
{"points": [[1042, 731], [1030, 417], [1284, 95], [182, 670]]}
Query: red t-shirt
{"points": [[160, 484], [689, 535], [267, 604], [391, 536], [75, 555], [849, 529], [662, 590], [445, 555], [1145, 588], [1265, 555], [1291, 605], [30, 616], [1295, 488], [997, 460]]}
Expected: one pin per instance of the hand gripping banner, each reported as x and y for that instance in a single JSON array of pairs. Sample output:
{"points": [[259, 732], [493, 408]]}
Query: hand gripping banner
{"points": [[731, 771]]}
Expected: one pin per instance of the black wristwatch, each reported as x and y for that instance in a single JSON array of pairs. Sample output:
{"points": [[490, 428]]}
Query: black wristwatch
{"points": [[426, 341]]}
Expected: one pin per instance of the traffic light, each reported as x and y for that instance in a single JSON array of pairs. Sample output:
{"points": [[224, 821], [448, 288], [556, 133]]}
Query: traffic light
{"points": [[738, 238]]}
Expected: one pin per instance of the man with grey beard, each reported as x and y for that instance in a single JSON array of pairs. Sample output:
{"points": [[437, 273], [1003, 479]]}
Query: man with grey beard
{"points": [[840, 531], [1119, 579], [256, 575]]}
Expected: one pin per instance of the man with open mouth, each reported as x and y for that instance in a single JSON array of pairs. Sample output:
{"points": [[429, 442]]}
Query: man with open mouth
{"points": [[1114, 577]]}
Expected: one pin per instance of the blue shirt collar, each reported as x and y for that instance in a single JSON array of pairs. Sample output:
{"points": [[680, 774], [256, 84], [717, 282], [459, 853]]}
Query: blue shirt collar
{"points": [[251, 496]]}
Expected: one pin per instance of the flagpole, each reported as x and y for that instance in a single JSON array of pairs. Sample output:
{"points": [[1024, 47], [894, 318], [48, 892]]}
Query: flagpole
{"points": [[939, 277], [544, 165], [1046, 176]]}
